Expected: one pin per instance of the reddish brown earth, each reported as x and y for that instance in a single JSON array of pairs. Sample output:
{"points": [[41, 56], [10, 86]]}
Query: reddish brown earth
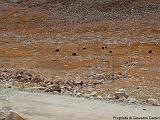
{"points": [[31, 31]]}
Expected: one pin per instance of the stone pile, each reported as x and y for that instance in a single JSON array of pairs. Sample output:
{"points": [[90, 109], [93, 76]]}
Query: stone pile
{"points": [[20, 76], [153, 102], [66, 87]]}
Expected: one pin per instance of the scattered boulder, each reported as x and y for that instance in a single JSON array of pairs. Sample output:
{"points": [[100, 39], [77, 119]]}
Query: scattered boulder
{"points": [[79, 83], [122, 99], [37, 79], [109, 96], [68, 93], [93, 94], [69, 88], [121, 93], [99, 97], [86, 95], [52, 88], [79, 94], [91, 97], [63, 90], [8, 86], [132, 100], [56, 92], [153, 102], [39, 88]]}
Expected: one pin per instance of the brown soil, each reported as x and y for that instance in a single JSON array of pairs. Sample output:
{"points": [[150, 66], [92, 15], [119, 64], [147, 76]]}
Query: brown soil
{"points": [[135, 69], [32, 31]]}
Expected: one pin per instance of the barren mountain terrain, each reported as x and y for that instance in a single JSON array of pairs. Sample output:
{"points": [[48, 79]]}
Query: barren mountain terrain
{"points": [[86, 48]]}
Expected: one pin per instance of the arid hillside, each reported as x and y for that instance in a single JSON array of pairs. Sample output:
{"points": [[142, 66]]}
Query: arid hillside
{"points": [[92, 20], [82, 46]]}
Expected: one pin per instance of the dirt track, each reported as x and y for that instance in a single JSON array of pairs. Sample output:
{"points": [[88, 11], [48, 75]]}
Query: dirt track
{"points": [[37, 106]]}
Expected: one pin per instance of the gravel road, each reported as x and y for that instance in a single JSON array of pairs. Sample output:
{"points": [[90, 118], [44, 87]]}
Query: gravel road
{"points": [[38, 106]]}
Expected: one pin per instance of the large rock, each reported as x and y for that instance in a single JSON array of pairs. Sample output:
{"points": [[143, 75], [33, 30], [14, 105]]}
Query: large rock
{"points": [[7, 85], [153, 102], [86, 95], [39, 88], [132, 100], [93, 94], [79, 94], [120, 94], [99, 97], [109, 96], [78, 83], [52, 88]]}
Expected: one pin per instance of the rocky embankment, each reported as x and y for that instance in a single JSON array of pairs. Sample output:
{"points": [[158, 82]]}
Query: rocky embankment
{"points": [[10, 116], [25, 80]]}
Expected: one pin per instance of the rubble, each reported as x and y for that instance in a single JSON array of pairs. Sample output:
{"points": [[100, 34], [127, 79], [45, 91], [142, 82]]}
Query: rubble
{"points": [[99, 97], [109, 96], [86, 95], [53, 88], [153, 102], [20, 76], [38, 88], [69, 87], [57, 48], [79, 94], [120, 94], [131, 100], [8, 85], [93, 94]]}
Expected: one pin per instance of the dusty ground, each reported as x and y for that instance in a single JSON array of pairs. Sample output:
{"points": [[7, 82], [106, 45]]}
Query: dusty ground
{"points": [[38, 106], [30, 33], [135, 69]]}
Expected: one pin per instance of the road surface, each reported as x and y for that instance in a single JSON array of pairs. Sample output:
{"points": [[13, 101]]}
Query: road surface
{"points": [[38, 106]]}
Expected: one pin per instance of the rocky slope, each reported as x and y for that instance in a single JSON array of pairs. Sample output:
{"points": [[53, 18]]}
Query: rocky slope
{"points": [[93, 10], [75, 41], [135, 20]]}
